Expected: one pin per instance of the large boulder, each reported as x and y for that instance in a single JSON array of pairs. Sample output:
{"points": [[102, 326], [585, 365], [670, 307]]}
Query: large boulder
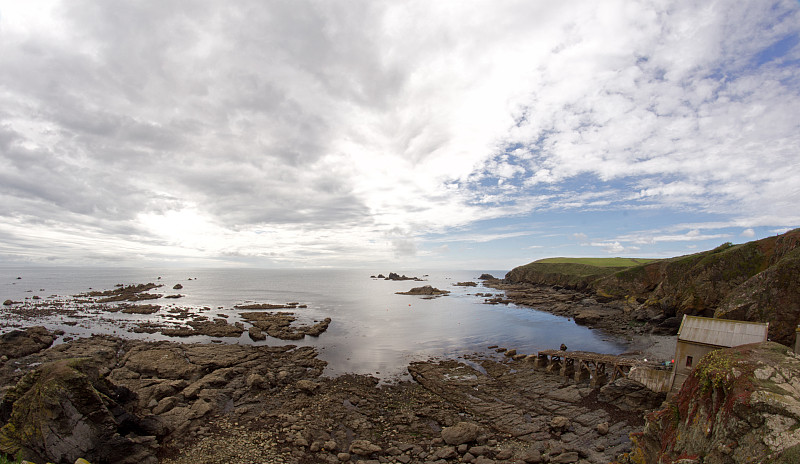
{"points": [[64, 410], [462, 432]]}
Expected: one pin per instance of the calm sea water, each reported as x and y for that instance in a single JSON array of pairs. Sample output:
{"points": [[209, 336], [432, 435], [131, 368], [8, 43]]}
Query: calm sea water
{"points": [[374, 331]]}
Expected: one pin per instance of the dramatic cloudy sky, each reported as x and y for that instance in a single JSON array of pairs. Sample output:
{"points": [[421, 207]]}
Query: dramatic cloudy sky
{"points": [[409, 134]]}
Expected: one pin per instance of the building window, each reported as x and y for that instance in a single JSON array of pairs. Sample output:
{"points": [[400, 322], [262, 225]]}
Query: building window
{"points": [[688, 361]]}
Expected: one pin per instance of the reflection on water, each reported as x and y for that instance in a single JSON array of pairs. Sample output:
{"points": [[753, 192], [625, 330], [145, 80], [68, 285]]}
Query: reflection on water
{"points": [[373, 329]]}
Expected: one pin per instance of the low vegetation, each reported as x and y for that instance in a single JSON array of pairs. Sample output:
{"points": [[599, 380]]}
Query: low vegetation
{"points": [[599, 262]]}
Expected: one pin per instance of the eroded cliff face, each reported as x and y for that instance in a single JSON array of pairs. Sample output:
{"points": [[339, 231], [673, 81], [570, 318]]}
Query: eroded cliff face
{"points": [[740, 405]]}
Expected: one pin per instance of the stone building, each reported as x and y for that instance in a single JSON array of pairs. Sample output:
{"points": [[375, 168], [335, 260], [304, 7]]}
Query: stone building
{"points": [[698, 336]]}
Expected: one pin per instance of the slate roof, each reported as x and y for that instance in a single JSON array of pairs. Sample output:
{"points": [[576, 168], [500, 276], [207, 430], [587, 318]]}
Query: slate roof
{"points": [[721, 332]]}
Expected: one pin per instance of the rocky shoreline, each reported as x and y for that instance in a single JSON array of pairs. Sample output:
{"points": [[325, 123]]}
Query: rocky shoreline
{"points": [[620, 318], [175, 402], [182, 403]]}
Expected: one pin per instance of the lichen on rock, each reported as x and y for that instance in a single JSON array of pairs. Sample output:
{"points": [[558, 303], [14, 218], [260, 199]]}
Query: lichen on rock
{"points": [[740, 404]]}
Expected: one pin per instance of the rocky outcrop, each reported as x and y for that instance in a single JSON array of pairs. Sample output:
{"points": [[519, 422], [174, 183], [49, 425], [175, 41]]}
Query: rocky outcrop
{"points": [[395, 276], [279, 325], [18, 343], [125, 293], [64, 410], [425, 290], [739, 405]]}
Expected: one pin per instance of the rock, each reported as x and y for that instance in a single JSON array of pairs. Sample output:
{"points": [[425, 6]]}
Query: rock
{"points": [[19, 343], [395, 276], [479, 450], [424, 290], [363, 447], [279, 325], [504, 454], [462, 432], [330, 445], [510, 353], [483, 460], [602, 428], [177, 287], [256, 334], [532, 456], [8, 303], [256, 381], [559, 423], [630, 395], [64, 410], [589, 317], [307, 386], [565, 458], [487, 277], [165, 405], [344, 457], [446, 452]]}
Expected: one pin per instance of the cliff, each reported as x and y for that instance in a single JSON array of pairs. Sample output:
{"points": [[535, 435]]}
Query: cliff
{"points": [[574, 276], [754, 281], [739, 405]]}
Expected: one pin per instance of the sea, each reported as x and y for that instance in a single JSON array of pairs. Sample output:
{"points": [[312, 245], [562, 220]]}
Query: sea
{"points": [[373, 330]]}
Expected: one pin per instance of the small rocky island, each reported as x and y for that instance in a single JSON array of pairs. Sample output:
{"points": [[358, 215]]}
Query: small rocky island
{"points": [[425, 290]]}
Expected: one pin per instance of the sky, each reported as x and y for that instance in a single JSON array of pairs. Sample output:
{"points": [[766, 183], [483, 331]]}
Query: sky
{"points": [[393, 134]]}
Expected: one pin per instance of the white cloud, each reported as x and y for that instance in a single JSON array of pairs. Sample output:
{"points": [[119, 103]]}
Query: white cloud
{"points": [[341, 132], [748, 233]]}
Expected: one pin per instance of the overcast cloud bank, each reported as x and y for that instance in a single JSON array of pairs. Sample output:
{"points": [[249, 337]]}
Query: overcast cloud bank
{"points": [[357, 133]]}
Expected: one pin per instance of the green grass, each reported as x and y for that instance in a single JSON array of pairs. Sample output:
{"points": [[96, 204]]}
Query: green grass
{"points": [[7, 460], [599, 262]]}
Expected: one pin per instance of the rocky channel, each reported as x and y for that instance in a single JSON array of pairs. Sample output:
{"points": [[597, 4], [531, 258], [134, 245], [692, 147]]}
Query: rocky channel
{"points": [[108, 399]]}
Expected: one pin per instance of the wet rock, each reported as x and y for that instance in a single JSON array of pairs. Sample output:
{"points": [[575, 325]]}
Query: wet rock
{"points": [[215, 328], [127, 293], [487, 277], [177, 287], [279, 325], [463, 432], [18, 343], [141, 309], [256, 334]]}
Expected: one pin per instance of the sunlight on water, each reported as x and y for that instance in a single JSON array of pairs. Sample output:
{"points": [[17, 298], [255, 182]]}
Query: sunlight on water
{"points": [[374, 331]]}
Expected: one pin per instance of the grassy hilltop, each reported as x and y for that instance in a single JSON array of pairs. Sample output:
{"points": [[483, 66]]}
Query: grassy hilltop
{"points": [[754, 281]]}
